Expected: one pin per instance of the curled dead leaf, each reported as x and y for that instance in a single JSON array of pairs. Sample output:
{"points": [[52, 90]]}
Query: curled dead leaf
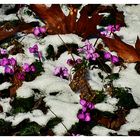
{"points": [[127, 52]]}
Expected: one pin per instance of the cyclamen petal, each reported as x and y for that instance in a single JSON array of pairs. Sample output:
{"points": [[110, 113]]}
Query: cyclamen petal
{"points": [[83, 102], [8, 70], [87, 117], [78, 61], [90, 105], [32, 68], [3, 51], [114, 59], [42, 30], [81, 116], [84, 109], [4, 62], [36, 31], [57, 70], [12, 61], [107, 55], [26, 67]]}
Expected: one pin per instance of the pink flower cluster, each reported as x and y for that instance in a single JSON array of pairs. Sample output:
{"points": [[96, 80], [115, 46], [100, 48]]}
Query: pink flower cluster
{"points": [[8, 64], [114, 59], [89, 51], [35, 51], [83, 115], [25, 69], [72, 62], [61, 72], [38, 31], [110, 29]]}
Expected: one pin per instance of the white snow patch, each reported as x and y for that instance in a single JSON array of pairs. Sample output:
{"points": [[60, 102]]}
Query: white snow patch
{"points": [[5, 103], [24, 92], [5, 85], [105, 107], [132, 18], [101, 131]]}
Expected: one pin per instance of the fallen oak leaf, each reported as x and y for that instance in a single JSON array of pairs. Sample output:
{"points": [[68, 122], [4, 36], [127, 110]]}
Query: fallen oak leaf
{"points": [[80, 83], [127, 52]]}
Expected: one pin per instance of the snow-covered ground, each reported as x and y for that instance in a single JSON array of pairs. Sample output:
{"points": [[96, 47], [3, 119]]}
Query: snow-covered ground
{"points": [[66, 103]]}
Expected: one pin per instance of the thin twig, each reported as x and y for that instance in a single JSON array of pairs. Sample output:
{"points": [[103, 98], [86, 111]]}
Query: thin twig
{"points": [[60, 122], [67, 47]]}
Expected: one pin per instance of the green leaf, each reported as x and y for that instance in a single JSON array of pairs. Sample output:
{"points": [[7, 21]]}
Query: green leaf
{"points": [[113, 76], [125, 98], [30, 129], [20, 105], [99, 97], [53, 122], [5, 128], [50, 52]]}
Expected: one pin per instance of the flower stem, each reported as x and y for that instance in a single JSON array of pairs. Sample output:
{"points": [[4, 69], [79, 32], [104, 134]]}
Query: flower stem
{"points": [[60, 122], [67, 47]]}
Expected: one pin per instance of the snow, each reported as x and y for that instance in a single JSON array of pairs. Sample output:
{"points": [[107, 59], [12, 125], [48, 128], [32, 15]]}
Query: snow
{"points": [[101, 131], [132, 18], [5, 85], [105, 107], [5, 103], [24, 92], [34, 116]]}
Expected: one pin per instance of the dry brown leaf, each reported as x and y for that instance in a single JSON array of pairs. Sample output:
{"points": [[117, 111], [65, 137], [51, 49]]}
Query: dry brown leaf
{"points": [[127, 52], [6, 32], [80, 83], [113, 123], [58, 23]]}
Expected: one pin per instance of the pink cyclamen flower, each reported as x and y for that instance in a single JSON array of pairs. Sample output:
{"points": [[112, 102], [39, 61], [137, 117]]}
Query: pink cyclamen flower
{"points": [[117, 27], [40, 55], [3, 51], [21, 76], [87, 117], [26, 67], [34, 49], [83, 102], [4, 62], [39, 31], [113, 28], [42, 30], [114, 59], [12, 61], [32, 68], [36, 31], [81, 116], [61, 72], [8, 70], [90, 105], [107, 55], [84, 109], [78, 61], [65, 72], [70, 62]]}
